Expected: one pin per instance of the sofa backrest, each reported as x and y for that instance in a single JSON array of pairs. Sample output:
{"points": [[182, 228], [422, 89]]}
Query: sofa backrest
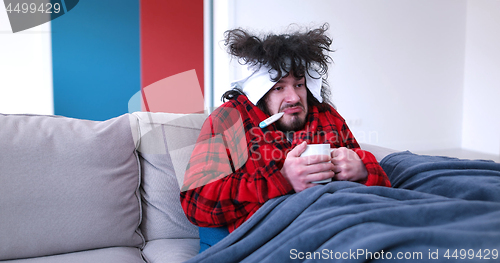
{"points": [[67, 185], [165, 143]]}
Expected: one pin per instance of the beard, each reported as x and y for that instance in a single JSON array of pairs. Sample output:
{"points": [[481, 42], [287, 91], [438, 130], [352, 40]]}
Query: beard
{"points": [[294, 124]]}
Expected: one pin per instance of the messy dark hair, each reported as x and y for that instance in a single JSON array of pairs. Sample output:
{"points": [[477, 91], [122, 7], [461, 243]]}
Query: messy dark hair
{"points": [[297, 52]]}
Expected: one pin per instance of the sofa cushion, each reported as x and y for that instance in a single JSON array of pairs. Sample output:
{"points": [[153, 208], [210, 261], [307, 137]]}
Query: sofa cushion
{"points": [[165, 145], [103, 255], [67, 185], [171, 250]]}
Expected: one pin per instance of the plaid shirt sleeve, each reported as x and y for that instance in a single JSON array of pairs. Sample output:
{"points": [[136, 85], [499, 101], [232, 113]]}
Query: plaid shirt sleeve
{"points": [[376, 175], [217, 189]]}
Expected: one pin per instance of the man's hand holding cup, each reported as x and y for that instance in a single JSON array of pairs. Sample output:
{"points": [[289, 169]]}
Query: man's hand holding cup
{"points": [[348, 165], [307, 165]]}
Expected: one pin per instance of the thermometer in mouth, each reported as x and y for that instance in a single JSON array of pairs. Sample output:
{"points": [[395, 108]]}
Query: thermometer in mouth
{"points": [[270, 120]]}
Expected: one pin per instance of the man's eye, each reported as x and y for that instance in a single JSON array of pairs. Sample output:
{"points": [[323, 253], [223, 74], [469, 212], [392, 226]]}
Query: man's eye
{"points": [[300, 85], [277, 88]]}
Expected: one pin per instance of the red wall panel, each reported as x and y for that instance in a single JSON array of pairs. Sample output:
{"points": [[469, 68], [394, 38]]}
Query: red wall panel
{"points": [[171, 41]]}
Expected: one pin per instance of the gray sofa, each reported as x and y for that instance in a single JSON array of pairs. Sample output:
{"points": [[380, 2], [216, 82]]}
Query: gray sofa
{"points": [[97, 191]]}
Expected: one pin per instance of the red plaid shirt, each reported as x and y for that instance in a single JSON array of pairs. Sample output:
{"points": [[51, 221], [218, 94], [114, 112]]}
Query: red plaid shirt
{"points": [[235, 166]]}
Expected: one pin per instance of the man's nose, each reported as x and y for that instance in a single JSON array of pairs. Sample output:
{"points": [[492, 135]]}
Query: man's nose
{"points": [[291, 95]]}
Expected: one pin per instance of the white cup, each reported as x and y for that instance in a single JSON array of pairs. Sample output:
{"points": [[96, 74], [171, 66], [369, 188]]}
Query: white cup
{"points": [[318, 149]]}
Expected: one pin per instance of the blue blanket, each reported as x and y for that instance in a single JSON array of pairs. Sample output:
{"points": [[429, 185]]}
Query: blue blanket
{"points": [[440, 209]]}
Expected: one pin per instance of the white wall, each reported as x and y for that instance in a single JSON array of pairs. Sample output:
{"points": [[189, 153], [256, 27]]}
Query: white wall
{"points": [[25, 69], [398, 72], [481, 120], [223, 19]]}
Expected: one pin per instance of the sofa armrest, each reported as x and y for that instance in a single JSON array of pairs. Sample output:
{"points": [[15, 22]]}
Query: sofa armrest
{"points": [[378, 151]]}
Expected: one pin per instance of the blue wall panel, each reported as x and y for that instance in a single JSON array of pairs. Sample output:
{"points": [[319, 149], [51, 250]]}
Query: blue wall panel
{"points": [[96, 59]]}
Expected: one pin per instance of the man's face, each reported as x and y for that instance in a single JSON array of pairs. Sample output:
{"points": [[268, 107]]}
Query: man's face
{"points": [[289, 95]]}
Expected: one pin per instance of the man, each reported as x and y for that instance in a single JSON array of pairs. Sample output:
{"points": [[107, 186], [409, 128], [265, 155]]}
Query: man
{"points": [[237, 166]]}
